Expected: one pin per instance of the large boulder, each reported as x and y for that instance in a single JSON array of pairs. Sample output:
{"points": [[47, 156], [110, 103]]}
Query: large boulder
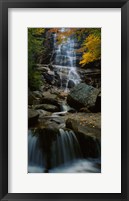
{"points": [[33, 116], [89, 137], [83, 95], [49, 98]]}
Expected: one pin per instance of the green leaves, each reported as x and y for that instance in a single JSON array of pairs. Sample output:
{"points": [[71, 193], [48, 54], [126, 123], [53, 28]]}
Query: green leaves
{"points": [[35, 49]]}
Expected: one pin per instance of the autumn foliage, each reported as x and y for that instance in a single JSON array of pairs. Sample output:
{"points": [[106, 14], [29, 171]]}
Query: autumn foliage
{"points": [[90, 38], [92, 49]]}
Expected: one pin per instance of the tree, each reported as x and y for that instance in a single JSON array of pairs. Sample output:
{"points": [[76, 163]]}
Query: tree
{"points": [[35, 48], [92, 48], [90, 39]]}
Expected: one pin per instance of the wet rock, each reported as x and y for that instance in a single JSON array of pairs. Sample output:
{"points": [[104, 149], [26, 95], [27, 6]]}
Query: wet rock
{"points": [[51, 122], [88, 137], [63, 94], [71, 84], [51, 101], [37, 94], [46, 137], [77, 126], [83, 95], [33, 116], [48, 77], [43, 113], [43, 69], [49, 95], [51, 72], [47, 107], [49, 98], [90, 146]]}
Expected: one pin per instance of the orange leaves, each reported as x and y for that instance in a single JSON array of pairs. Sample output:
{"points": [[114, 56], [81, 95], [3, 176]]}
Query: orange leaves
{"points": [[91, 45], [62, 36], [54, 30]]}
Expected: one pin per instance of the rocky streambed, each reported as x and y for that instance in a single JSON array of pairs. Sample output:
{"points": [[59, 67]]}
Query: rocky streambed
{"points": [[65, 122]]}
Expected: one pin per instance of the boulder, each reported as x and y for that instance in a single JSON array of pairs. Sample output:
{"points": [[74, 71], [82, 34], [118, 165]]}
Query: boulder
{"points": [[47, 94], [48, 77], [33, 116], [83, 95], [63, 94], [46, 137], [37, 94], [49, 98], [47, 107], [71, 84], [43, 113], [51, 72], [43, 69], [79, 127], [89, 138]]}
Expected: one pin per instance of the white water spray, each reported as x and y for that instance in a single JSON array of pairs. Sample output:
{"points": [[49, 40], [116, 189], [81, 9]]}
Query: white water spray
{"points": [[65, 61]]}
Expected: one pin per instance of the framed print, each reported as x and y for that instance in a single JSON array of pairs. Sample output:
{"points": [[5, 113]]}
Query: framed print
{"points": [[64, 100]]}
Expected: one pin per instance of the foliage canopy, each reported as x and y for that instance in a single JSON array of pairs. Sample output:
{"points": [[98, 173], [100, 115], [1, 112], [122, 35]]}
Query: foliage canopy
{"points": [[90, 38]]}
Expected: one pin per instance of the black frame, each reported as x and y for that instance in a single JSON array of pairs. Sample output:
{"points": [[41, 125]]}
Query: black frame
{"points": [[4, 5]]}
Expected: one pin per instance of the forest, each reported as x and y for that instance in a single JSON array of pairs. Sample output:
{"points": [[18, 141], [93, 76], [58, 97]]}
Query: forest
{"points": [[64, 100]]}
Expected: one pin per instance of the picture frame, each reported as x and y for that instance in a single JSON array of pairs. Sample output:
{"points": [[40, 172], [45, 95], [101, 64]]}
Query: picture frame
{"points": [[124, 5]]}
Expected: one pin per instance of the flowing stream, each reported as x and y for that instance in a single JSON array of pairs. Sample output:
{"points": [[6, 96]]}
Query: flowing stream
{"points": [[65, 155]]}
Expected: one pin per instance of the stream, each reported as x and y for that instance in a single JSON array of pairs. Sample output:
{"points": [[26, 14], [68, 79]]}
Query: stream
{"points": [[66, 156]]}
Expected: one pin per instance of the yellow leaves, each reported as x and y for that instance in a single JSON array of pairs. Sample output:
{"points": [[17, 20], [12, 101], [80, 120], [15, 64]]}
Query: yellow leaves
{"points": [[92, 42], [92, 46], [86, 58]]}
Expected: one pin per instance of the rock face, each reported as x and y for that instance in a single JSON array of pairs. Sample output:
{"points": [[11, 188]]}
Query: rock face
{"points": [[83, 95], [33, 116], [89, 138]]}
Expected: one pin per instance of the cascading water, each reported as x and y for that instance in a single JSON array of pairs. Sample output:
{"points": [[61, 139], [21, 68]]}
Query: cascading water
{"points": [[65, 155], [66, 148], [35, 157], [65, 61]]}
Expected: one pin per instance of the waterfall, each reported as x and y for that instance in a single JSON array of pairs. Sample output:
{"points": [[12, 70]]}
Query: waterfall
{"points": [[65, 155], [35, 157], [66, 148], [65, 61]]}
